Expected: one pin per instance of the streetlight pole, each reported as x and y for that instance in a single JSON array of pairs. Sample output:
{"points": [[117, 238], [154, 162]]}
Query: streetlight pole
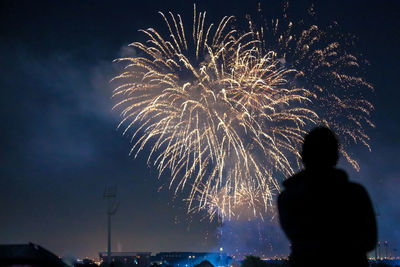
{"points": [[110, 194]]}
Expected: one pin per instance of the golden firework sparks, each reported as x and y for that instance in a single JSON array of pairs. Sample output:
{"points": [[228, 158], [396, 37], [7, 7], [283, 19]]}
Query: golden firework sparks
{"points": [[219, 111]]}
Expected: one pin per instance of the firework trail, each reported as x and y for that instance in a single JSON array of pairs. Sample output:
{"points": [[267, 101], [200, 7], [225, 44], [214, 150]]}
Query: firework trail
{"points": [[221, 112]]}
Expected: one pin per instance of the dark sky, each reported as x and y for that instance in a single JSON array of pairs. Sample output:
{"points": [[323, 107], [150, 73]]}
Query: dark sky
{"points": [[59, 145]]}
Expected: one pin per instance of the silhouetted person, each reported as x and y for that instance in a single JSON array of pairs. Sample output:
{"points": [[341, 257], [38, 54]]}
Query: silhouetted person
{"points": [[328, 220]]}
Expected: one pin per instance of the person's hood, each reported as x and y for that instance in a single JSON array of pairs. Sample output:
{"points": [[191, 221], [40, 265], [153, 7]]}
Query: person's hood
{"points": [[316, 177]]}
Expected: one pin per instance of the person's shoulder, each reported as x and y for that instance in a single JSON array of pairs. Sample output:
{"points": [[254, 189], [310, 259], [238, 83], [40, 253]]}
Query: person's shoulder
{"points": [[294, 179], [358, 193], [357, 188], [339, 175], [292, 187]]}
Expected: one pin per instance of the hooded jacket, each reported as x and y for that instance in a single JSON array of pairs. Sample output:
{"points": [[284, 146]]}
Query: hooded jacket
{"points": [[327, 218]]}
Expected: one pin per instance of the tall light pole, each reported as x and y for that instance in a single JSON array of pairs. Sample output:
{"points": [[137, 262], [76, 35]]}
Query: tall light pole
{"points": [[110, 194]]}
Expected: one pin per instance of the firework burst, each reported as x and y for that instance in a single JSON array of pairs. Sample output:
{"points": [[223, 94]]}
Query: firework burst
{"points": [[220, 112], [326, 68]]}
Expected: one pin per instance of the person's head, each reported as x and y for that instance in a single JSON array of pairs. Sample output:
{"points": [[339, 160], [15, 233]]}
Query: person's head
{"points": [[320, 149]]}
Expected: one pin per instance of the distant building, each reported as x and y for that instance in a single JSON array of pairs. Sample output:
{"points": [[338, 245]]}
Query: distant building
{"points": [[85, 263], [137, 259], [28, 255]]}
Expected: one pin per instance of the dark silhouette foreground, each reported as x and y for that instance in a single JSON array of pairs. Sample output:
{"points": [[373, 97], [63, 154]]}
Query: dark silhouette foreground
{"points": [[328, 220], [254, 261], [204, 263]]}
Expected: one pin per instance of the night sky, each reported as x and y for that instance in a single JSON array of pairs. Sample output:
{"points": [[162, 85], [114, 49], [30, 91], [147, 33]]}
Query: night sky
{"points": [[59, 145]]}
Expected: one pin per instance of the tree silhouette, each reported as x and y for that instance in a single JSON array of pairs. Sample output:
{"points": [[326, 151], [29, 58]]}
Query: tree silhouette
{"points": [[204, 263], [254, 261]]}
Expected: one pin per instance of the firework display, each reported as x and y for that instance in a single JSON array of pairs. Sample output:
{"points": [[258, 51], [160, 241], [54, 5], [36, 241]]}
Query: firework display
{"points": [[224, 111]]}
